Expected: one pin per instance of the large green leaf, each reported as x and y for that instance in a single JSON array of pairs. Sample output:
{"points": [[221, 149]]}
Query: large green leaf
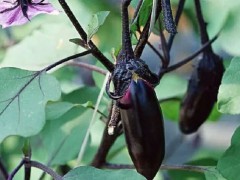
{"points": [[229, 164], [212, 173], [85, 172], [62, 137], [24, 95], [224, 15], [183, 175], [170, 86], [55, 110], [82, 95], [44, 46], [96, 21], [67, 126], [229, 96]]}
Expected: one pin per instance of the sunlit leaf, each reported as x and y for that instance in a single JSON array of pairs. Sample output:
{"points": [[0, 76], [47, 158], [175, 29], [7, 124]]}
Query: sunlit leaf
{"points": [[170, 86], [143, 14], [96, 21], [213, 174], [170, 110], [57, 109], [183, 175], [228, 96], [46, 45], [68, 125], [24, 95], [82, 95], [62, 137], [86, 172], [229, 164], [215, 114], [226, 21], [79, 42]]}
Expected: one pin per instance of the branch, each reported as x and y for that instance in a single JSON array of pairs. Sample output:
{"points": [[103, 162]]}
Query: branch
{"points": [[136, 12], [46, 169], [177, 17], [3, 170], [142, 39], [126, 39], [95, 51], [53, 155], [202, 24], [186, 60], [27, 151], [88, 66], [165, 49], [155, 50], [65, 60], [86, 138], [106, 143], [11, 176], [191, 168]]}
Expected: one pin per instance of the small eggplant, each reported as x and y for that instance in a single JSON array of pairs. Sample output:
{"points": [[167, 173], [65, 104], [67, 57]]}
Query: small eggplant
{"points": [[204, 84], [143, 127], [201, 93]]}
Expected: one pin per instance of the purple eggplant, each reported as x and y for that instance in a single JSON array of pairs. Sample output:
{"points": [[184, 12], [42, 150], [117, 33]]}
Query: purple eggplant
{"points": [[201, 93], [143, 127], [203, 86], [140, 112]]}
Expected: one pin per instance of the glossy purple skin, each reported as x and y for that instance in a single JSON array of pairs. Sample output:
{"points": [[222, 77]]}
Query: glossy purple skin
{"points": [[143, 127], [201, 93]]}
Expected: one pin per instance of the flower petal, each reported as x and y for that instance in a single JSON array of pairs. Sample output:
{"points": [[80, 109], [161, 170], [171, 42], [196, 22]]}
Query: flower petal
{"points": [[16, 17]]}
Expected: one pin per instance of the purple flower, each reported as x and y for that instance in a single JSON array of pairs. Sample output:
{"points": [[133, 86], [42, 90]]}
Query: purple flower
{"points": [[18, 12]]}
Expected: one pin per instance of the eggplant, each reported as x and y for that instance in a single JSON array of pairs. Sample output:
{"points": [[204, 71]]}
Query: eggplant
{"points": [[143, 127], [140, 112], [201, 93], [203, 85]]}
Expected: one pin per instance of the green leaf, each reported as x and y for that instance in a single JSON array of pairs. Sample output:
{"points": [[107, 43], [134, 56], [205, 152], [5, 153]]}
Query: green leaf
{"points": [[24, 95], [170, 110], [214, 115], [98, 78], [183, 175], [226, 21], [236, 137], [229, 164], [85, 172], [67, 128], [170, 86], [62, 138], [55, 110], [82, 95], [79, 42], [96, 21], [229, 37], [229, 96], [88, 104], [212, 173], [143, 15], [43, 47]]}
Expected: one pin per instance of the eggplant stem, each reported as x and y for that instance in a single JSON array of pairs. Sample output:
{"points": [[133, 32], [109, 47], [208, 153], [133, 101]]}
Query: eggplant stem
{"points": [[200, 169], [188, 59]]}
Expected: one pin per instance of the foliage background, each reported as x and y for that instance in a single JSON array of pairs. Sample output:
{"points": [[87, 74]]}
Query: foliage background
{"points": [[61, 126]]}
